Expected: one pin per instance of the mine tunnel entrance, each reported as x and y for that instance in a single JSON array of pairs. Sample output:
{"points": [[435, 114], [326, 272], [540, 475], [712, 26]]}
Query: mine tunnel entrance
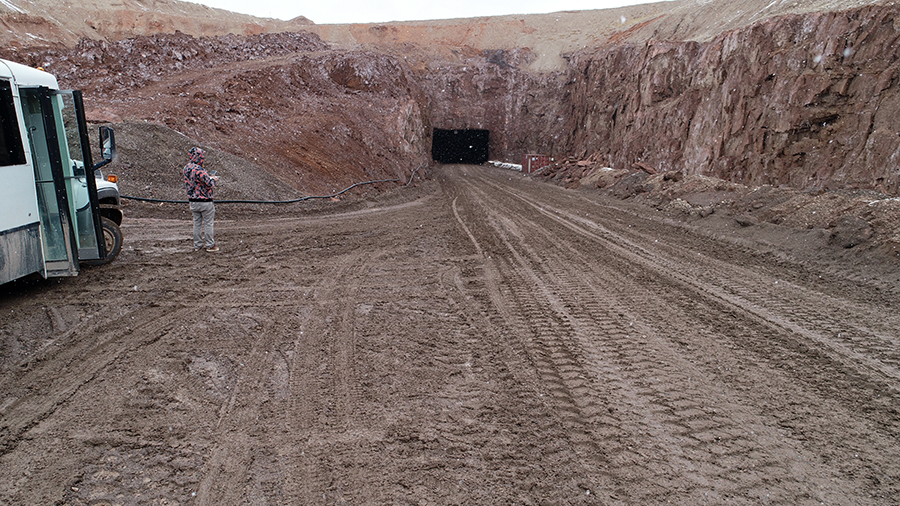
{"points": [[459, 146]]}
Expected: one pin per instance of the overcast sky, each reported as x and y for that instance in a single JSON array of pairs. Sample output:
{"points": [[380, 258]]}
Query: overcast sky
{"points": [[378, 11]]}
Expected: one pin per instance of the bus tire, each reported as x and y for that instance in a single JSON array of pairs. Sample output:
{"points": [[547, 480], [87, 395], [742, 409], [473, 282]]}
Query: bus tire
{"points": [[113, 237]]}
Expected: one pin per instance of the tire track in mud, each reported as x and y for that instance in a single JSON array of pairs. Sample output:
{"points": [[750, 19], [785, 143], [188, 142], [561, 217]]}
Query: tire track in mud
{"points": [[61, 374], [556, 332], [862, 333], [323, 383], [565, 282], [486, 343], [299, 375], [227, 470], [540, 336], [780, 312], [860, 342], [559, 381], [658, 436], [724, 286]]}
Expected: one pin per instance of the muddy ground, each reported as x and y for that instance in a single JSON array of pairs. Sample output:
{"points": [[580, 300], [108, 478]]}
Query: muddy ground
{"points": [[475, 338]]}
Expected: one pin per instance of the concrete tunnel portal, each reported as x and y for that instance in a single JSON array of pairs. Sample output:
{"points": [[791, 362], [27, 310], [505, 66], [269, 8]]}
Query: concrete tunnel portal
{"points": [[469, 146]]}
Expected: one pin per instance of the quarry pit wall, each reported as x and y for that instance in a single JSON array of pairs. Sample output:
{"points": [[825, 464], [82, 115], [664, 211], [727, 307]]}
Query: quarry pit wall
{"points": [[808, 100], [811, 101]]}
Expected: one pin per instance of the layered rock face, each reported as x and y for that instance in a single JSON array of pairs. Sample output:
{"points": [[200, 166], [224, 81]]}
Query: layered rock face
{"points": [[521, 109], [811, 101]]}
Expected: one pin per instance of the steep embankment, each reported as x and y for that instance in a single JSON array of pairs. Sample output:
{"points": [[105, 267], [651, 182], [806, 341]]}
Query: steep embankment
{"points": [[810, 100]]}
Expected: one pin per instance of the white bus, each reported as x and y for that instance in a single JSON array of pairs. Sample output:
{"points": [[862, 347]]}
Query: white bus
{"points": [[57, 212]]}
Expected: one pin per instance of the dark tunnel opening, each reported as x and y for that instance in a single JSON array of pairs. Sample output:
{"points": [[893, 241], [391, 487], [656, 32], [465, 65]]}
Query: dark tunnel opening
{"points": [[460, 146]]}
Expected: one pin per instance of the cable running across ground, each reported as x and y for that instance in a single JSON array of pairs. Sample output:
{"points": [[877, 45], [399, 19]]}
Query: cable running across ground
{"points": [[301, 199]]}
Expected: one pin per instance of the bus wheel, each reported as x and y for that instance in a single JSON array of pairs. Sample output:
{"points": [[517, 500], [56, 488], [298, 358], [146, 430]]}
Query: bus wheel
{"points": [[113, 238]]}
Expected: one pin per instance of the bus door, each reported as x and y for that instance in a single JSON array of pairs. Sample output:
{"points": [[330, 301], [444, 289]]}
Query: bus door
{"points": [[64, 178]]}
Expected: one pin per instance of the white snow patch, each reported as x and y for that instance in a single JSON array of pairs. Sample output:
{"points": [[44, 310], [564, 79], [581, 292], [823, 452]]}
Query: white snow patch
{"points": [[882, 201]]}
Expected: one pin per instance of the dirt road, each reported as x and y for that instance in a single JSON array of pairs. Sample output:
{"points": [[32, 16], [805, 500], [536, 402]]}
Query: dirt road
{"points": [[480, 339]]}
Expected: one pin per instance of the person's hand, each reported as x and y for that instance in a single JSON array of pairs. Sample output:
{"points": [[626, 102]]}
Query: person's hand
{"points": [[214, 178]]}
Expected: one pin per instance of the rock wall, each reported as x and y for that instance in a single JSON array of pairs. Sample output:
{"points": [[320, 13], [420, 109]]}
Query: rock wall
{"points": [[490, 91], [808, 100], [811, 101]]}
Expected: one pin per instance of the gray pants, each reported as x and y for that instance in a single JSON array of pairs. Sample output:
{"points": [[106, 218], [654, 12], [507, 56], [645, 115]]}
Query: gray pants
{"points": [[204, 214]]}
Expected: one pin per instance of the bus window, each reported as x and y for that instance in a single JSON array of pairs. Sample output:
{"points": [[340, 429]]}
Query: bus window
{"points": [[11, 150]]}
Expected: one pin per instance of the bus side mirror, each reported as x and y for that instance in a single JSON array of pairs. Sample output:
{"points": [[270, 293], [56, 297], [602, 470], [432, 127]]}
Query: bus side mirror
{"points": [[107, 146], [108, 143]]}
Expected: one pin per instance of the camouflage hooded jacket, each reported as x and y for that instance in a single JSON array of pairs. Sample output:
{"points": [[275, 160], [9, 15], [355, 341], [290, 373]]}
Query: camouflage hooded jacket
{"points": [[197, 181]]}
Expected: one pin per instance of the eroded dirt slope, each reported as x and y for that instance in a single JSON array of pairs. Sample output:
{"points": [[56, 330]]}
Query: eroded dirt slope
{"points": [[475, 338], [26, 23], [315, 118]]}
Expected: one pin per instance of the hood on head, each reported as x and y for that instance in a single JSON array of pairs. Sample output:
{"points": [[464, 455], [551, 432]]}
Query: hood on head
{"points": [[197, 155]]}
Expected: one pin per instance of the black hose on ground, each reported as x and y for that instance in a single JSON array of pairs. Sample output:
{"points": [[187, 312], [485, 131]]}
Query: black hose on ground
{"points": [[301, 199]]}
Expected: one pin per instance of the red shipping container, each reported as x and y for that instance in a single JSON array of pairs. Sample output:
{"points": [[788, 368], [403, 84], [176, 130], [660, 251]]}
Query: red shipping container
{"points": [[531, 163]]}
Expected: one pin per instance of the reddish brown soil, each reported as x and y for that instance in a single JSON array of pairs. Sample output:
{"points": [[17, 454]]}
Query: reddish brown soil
{"points": [[475, 338]]}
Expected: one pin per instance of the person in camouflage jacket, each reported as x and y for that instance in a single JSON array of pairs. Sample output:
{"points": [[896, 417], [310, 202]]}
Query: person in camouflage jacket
{"points": [[199, 185]]}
